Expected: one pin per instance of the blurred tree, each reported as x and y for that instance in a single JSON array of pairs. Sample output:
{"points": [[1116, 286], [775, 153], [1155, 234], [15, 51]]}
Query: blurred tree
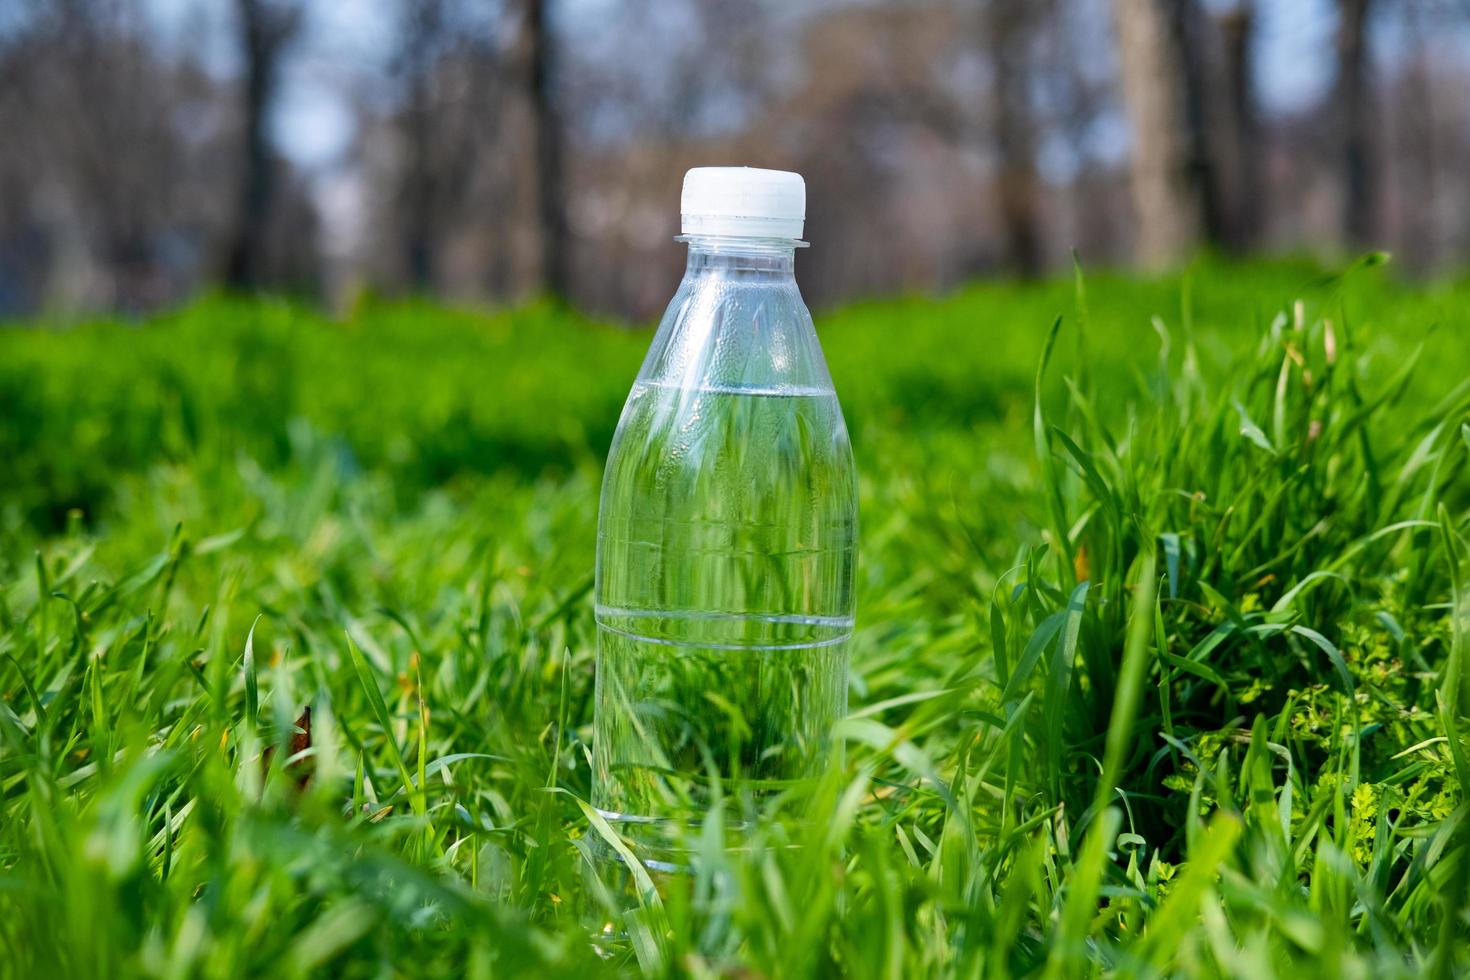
{"points": [[1418, 137], [421, 38], [109, 162], [879, 135], [448, 68], [1174, 186], [1359, 198], [1009, 27], [1241, 131], [265, 27], [550, 187], [632, 125]]}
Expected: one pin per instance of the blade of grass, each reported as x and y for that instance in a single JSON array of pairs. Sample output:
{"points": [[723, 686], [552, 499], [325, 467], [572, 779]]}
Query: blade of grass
{"points": [[385, 722]]}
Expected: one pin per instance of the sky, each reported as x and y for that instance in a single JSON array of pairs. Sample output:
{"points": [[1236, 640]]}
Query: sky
{"points": [[1294, 57]]}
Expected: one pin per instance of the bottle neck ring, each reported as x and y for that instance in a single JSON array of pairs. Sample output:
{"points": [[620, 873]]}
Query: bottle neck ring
{"points": [[749, 257]]}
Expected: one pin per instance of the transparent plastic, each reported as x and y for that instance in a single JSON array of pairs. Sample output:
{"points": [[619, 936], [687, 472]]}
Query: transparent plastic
{"points": [[725, 557]]}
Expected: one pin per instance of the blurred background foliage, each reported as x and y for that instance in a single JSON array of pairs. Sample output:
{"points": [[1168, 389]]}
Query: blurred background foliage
{"points": [[494, 150], [433, 396]]}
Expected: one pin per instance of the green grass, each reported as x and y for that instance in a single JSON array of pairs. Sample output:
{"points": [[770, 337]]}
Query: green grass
{"points": [[1158, 668]]}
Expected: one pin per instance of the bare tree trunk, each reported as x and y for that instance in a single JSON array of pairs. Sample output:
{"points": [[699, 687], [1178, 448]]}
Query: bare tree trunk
{"points": [[1359, 203], [1417, 232], [550, 190], [264, 31], [1186, 26], [1243, 227], [420, 245], [1018, 187], [421, 38], [1165, 102]]}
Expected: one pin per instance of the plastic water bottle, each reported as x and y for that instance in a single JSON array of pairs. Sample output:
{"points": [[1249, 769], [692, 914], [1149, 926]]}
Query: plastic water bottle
{"points": [[726, 538]]}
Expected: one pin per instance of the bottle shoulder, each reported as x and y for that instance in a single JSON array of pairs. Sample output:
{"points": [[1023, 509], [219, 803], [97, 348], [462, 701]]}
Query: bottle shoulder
{"points": [[725, 335]]}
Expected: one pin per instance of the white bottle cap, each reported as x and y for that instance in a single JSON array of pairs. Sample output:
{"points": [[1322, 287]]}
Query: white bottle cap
{"points": [[743, 202]]}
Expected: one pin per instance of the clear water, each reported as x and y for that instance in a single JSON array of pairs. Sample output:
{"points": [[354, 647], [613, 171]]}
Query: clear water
{"points": [[724, 602]]}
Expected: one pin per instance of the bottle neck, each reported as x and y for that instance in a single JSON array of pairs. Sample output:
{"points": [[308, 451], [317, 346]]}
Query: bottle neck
{"points": [[744, 259]]}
